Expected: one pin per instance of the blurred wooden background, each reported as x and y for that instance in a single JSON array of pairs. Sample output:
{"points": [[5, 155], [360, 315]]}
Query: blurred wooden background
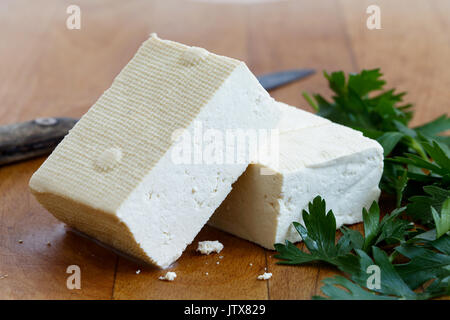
{"points": [[48, 70]]}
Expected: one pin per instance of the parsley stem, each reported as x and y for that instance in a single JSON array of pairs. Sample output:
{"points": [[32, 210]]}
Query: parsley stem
{"points": [[311, 101], [393, 255], [418, 148]]}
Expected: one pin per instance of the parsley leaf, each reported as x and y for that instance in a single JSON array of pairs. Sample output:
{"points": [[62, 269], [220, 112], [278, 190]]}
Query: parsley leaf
{"points": [[341, 288], [420, 206], [424, 265], [389, 229], [442, 222], [318, 234], [434, 127], [351, 255], [396, 281], [393, 286], [389, 140], [439, 166]]}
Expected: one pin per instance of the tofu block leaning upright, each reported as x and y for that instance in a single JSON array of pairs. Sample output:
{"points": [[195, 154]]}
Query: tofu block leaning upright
{"points": [[113, 176], [316, 157]]}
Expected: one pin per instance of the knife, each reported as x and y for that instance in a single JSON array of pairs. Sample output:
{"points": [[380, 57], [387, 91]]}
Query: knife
{"points": [[274, 80], [26, 140]]}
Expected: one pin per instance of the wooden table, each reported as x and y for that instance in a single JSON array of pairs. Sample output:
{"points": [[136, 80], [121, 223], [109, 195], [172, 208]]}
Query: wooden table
{"points": [[48, 70]]}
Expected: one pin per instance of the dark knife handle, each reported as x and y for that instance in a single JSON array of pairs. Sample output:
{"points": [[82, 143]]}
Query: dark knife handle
{"points": [[31, 139]]}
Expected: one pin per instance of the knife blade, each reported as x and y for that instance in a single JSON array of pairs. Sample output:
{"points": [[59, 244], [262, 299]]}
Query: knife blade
{"points": [[274, 80], [26, 140]]}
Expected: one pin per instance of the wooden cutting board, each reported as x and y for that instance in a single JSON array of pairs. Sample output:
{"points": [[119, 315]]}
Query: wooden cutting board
{"points": [[48, 70]]}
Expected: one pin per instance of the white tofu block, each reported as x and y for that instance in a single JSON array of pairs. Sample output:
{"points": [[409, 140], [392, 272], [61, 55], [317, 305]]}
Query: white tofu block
{"points": [[294, 119], [319, 158], [114, 177]]}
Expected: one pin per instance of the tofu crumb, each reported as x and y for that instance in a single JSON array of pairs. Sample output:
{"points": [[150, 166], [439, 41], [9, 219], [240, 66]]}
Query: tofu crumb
{"points": [[217, 262], [3, 276], [265, 276], [206, 273], [251, 264], [221, 257], [138, 271], [207, 247], [170, 276]]}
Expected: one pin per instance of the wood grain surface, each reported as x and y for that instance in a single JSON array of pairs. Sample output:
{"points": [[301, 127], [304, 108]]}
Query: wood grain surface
{"points": [[48, 70]]}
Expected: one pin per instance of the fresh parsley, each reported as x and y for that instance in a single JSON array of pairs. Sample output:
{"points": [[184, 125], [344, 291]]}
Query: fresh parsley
{"points": [[429, 258], [318, 234], [410, 245]]}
